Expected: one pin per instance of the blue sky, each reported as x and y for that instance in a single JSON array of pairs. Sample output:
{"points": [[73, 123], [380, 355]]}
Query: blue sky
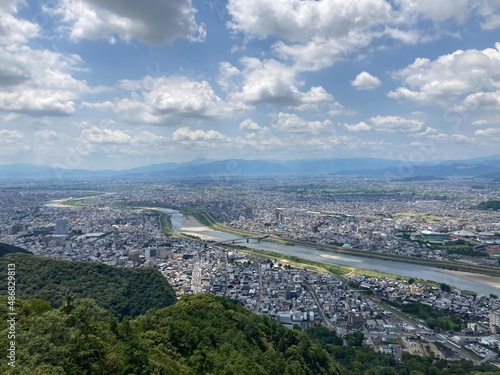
{"points": [[117, 84]]}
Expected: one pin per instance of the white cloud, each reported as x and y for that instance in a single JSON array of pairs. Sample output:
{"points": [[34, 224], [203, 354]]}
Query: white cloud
{"points": [[35, 81], [198, 138], [365, 81], [392, 124], [97, 135], [96, 141], [248, 124], [483, 122], [490, 132], [438, 10], [10, 136], [490, 11], [432, 133], [359, 127], [444, 81], [166, 100], [292, 123], [14, 30], [103, 106], [150, 21], [316, 34], [271, 82], [45, 88], [483, 99]]}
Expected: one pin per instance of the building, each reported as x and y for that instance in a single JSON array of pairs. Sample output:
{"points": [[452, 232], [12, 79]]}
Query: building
{"points": [[62, 228], [15, 229], [495, 322], [149, 253], [134, 255]]}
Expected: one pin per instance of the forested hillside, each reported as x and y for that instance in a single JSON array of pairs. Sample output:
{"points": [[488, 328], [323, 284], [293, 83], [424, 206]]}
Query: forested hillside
{"points": [[122, 291], [201, 334], [7, 249]]}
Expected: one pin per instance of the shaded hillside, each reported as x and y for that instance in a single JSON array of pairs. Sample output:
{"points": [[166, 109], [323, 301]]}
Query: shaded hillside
{"points": [[201, 334], [489, 205], [8, 249], [123, 291]]}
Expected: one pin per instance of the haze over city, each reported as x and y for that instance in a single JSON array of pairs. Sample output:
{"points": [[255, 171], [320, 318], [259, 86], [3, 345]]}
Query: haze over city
{"points": [[96, 85]]}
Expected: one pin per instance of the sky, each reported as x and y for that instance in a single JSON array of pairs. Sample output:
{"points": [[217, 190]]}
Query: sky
{"points": [[100, 84]]}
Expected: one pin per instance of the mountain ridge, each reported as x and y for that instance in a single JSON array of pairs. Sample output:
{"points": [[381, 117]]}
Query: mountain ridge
{"points": [[487, 167]]}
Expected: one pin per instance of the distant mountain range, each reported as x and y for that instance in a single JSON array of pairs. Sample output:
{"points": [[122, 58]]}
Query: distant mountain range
{"points": [[484, 167]]}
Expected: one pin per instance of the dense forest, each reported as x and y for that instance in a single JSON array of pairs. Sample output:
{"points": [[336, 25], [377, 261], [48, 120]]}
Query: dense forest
{"points": [[489, 205], [201, 334], [122, 291], [7, 249]]}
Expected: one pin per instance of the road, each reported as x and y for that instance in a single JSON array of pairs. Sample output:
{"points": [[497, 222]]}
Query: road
{"points": [[196, 276], [261, 289]]}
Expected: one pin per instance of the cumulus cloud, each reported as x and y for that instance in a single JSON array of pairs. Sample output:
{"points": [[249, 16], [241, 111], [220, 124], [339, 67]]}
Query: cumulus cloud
{"points": [[290, 122], [438, 10], [359, 127], [97, 135], [431, 133], [490, 132], [270, 82], [392, 124], [483, 99], [365, 81], [95, 140], [165, 100], [34, 81], [153, 22], [316, 34], [443, 80], [483, 122], [490, 12], [15, 31], [248, 124], [10, 136], [198, 137]]}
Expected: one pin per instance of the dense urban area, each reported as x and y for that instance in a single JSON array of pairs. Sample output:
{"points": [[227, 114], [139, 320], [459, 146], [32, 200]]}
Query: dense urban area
{"points": [[158, 224]]}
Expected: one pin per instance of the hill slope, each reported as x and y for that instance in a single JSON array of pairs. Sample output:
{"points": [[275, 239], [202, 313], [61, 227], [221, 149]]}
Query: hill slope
{"points": [[9, 249], [122, 291], [200, 334]]}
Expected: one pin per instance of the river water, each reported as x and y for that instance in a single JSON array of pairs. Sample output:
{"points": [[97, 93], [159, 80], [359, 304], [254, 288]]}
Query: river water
{"points": [[396, 268]]}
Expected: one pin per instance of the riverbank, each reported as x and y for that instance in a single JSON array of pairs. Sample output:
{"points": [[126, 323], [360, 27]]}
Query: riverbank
{"points": [[192, 227], [475, 277], [209, 222], [317, 253]]}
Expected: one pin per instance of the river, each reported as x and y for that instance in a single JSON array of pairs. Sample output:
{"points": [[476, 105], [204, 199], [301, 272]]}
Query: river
{"points": [[465, 281]]}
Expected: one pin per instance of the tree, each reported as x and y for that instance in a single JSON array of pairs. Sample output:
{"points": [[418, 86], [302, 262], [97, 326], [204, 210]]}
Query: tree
{"points": [[445, 287]]}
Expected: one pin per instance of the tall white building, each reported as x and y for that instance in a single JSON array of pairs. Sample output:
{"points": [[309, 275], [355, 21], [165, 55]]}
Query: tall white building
{"points": [[495, 321]]}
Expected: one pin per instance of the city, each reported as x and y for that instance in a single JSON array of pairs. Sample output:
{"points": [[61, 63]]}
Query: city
{"points": [[132, 225]]}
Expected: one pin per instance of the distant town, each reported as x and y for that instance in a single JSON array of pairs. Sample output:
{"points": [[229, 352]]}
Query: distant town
{"points": [[164, 225]]}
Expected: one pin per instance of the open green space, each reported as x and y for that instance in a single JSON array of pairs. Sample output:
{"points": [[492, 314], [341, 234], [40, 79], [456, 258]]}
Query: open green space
{"points": [[75, 202], [428, 218]]}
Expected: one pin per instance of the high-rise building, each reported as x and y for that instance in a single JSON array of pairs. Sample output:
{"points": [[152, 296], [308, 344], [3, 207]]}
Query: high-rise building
{"points": [[495, 322], [134, 255], [149, 253], [62, 227]]}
